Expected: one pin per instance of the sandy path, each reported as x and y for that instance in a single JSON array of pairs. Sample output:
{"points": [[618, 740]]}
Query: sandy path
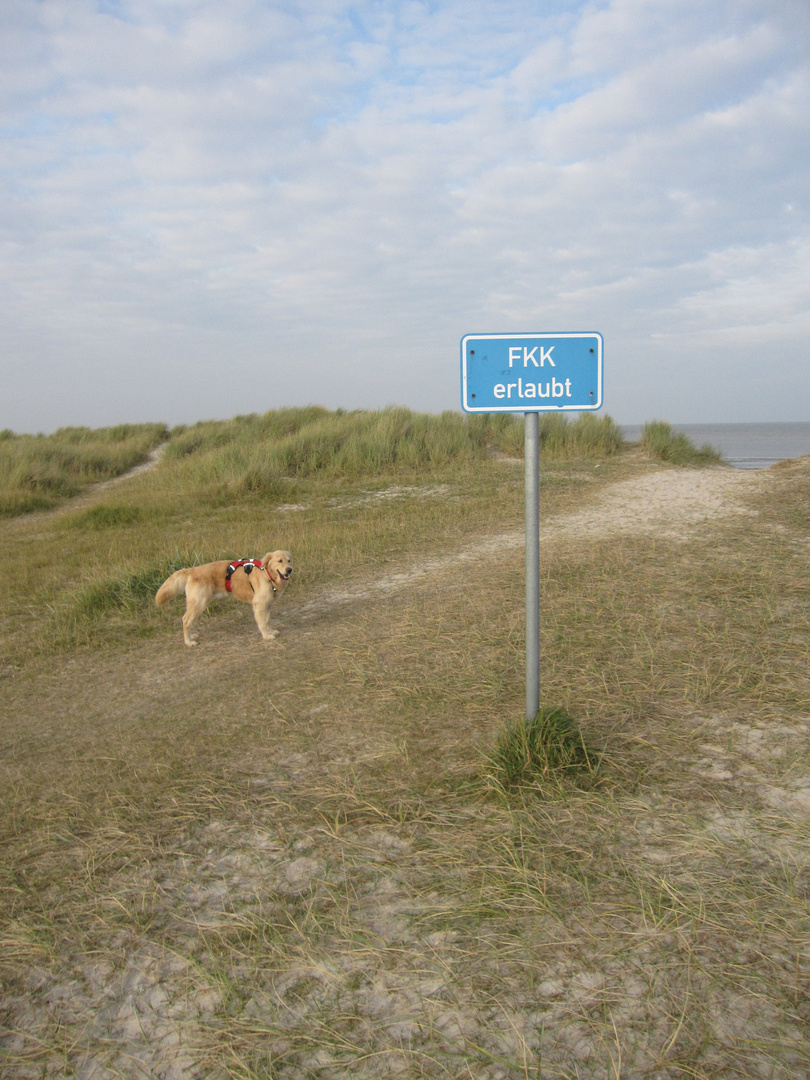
{"points": [[670, 504], [86, 498], [153, 459]]}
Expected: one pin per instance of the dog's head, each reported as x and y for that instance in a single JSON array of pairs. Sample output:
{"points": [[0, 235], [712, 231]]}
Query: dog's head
{"points": [[278, 565]]}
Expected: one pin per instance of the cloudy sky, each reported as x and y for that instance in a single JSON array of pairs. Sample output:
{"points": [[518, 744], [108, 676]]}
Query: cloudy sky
{"points": [[213, 208]]}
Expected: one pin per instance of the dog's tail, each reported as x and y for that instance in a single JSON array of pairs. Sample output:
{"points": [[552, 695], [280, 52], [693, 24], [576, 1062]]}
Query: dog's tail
{"points": [[171, 587]]}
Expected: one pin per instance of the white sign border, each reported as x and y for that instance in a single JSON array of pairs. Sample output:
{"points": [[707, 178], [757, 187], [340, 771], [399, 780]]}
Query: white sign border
{"points": [[522, 408]]}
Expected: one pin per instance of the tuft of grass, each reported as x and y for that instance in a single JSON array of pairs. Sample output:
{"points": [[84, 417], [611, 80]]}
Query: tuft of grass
{"points": [[127, 590], [549, 746], [107, 516], [660, 440]]}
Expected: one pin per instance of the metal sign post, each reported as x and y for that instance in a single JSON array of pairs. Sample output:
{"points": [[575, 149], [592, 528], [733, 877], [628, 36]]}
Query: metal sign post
{"points": [[531, 373], [532, 469]]}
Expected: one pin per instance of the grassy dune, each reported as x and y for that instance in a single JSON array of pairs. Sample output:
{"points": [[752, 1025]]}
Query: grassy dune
{"points": [[322, 858], [38, 471], [265, 455]]}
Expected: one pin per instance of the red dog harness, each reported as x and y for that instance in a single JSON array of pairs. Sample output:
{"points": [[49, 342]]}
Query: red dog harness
{"points": [[247, 565]]}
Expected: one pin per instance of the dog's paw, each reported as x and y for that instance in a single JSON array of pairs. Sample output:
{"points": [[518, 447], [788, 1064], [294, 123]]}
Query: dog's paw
{"points": [[271, 636]]}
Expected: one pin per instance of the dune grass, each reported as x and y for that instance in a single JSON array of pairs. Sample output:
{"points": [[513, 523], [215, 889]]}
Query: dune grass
{"points": [[660, 440], [38, 471], [313, 440], [248, 862], [266, 456]]}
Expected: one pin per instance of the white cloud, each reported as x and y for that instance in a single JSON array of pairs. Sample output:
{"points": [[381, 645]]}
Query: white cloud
{"points": [[317, 202]]}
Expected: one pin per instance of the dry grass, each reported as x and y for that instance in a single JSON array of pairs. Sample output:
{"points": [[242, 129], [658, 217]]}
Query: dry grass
{"points": [[292, 862]]}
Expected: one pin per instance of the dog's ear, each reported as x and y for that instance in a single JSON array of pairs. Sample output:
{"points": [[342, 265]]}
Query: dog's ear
{"points": [[268, 558]]}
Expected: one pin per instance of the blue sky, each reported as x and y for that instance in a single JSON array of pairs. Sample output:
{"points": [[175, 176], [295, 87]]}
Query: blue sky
{"points": [[209, 209]]}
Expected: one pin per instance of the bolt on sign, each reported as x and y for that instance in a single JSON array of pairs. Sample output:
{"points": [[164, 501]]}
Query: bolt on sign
{"points": [[531, 372]]}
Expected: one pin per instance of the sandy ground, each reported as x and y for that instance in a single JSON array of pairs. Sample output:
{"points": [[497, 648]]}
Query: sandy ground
{"points": [[671, 503], [148, 1015]]}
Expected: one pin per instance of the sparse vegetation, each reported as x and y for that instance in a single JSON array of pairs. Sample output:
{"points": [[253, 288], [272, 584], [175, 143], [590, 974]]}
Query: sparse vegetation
{"points": [[245, 862]]}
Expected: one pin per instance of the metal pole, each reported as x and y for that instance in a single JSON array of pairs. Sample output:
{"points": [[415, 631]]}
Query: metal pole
{"points": [[532, 465]]}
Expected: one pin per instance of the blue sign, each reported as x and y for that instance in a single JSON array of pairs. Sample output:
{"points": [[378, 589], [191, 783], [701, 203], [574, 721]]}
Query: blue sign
{"points": [[531, 372]]}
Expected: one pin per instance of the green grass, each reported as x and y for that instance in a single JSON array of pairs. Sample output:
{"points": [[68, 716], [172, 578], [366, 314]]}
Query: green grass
{"points": [[39, 471], [266, 457], [107, 516], [269, 456], [124, 590], [547, 748], [660, 440]]}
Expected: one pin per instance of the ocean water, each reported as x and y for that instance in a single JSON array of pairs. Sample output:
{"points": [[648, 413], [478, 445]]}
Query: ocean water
{"points": [[745, 446]]}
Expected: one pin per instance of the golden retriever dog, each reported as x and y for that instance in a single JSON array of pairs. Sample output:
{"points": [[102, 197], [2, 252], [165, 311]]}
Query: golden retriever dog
{"points": [[254, 581]]}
